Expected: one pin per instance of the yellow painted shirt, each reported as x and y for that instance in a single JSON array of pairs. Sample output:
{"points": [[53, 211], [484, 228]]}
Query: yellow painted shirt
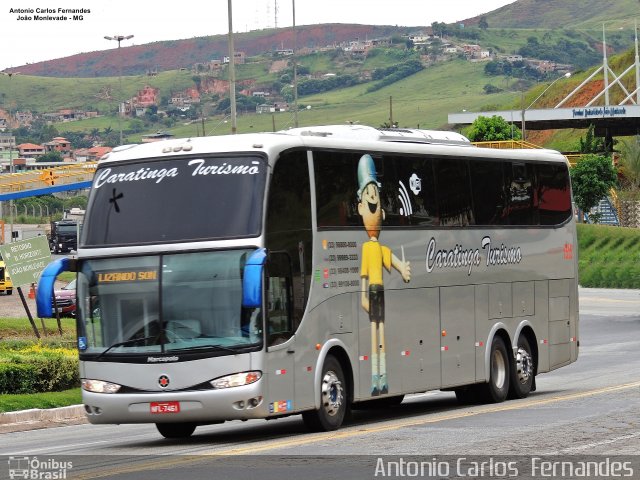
{"points": [[374, 256]]}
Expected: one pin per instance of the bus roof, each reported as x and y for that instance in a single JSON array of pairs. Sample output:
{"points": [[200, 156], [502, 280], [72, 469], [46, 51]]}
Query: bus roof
{"points": [[348, 137]]}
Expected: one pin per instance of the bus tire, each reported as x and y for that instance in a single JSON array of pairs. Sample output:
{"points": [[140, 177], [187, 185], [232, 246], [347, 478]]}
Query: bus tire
{"points": [[334, 399], [496, 390], [9, 292], [522, 371], [176, 430], [467, 395]]}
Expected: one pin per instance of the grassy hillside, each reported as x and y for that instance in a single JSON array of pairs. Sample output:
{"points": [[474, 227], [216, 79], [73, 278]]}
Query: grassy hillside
{"points": [[609, 257], [43, 94], [422, 99], [551, 14]]}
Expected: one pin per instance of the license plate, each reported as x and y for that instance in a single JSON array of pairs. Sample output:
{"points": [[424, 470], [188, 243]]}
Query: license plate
{"points": [[165, 407]]}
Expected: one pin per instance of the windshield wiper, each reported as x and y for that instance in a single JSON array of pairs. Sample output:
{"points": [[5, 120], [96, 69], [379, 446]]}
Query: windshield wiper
{"points": [[127, 342], [205, 347]]}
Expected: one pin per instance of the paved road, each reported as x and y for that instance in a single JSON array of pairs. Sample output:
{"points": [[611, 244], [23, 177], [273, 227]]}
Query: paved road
{"points": [[591, 407]]}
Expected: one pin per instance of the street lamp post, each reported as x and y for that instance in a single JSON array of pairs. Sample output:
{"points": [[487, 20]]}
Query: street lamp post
{"points": [[119, 38], [11, 166], [10, 75], [524, 110]]}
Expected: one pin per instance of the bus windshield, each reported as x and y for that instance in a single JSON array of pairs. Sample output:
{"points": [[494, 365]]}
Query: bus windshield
{"points": [[165, 304], [175, 200]]}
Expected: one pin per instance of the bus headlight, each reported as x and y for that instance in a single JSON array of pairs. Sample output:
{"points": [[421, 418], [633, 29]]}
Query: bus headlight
{"points": [[236, 380], [98, 386]]}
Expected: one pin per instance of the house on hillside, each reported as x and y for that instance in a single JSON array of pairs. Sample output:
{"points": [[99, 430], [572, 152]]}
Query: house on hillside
{"points": [[92, 154], [24, 119], [6, 141], [30, 150], [511, 58], [238, 58], [271, 108], [58, 144], [146, 97], [420, 39]]}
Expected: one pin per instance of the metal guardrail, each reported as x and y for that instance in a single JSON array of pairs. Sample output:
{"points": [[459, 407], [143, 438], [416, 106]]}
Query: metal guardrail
{"points": [[48, 177], [572, 158], [506, 144]]}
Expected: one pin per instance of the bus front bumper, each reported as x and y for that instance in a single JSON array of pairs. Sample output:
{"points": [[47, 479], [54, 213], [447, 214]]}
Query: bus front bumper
{"points": [[197, 406]]}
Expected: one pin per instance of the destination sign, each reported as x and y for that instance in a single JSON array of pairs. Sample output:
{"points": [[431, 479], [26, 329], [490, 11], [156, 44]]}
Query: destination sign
{"points": [[127, 276], [26, 259]]}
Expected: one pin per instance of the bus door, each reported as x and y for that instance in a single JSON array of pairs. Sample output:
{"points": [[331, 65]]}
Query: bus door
{"points": [[280, 328]]}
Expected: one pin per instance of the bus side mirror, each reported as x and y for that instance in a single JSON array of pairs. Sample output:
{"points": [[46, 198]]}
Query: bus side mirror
{"points": [[44, 296], [252, 279]]}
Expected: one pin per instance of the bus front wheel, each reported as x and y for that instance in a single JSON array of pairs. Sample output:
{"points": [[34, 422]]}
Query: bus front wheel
{"points": [[176, 430], [496, 390], [334, 399]]}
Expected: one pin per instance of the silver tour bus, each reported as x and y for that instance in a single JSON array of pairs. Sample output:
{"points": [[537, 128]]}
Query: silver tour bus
{"points": [[317, 270]]}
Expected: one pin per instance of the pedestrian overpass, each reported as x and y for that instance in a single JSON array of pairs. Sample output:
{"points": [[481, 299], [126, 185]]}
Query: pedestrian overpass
{"points": [[42, 182]]}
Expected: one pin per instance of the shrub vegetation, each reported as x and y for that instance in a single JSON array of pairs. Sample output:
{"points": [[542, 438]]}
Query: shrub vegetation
{"points": [[609, 257]]}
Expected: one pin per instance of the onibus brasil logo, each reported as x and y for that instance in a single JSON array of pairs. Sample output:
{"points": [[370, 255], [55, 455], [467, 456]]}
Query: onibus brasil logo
{"points": [[32, 468]]}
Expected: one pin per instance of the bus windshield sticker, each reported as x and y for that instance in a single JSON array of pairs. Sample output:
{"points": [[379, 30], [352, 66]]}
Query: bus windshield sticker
{"points": [[198, 166], [375, 258]]}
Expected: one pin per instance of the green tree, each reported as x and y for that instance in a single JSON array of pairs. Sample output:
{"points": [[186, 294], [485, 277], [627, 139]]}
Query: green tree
{"points": [[50, 157], [94, 134], [485, 129], [590, 143], [483, 24], [592, 178], [630, 164]]}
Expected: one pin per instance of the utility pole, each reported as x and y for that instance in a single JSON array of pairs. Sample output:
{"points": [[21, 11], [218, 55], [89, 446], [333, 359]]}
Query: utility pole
{"points": [[119, 38], [295, 69], [232, 73]]}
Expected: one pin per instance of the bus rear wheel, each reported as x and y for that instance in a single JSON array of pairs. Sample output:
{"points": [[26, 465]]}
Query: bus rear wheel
{"points": [[522, 374], [176, 430], [496, 390], [334, 399]]}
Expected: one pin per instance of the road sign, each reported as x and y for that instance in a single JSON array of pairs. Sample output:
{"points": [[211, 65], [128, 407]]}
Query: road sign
{"points": [[26, 259], [48, 177]]}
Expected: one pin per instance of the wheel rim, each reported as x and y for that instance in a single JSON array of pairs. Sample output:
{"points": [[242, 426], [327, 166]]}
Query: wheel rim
{"points": [[332, 393], [524, 365], [498, 369]]}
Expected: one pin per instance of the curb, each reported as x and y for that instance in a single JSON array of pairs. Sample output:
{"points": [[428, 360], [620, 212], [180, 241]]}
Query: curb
{"points": [[36, 415]]}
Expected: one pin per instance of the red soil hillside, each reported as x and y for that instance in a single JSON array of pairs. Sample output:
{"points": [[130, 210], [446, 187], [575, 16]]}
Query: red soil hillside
{"points": [[170, 55]]}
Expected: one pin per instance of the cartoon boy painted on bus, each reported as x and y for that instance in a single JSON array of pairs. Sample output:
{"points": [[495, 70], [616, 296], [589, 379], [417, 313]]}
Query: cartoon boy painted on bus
{"points": [[374, 257]]}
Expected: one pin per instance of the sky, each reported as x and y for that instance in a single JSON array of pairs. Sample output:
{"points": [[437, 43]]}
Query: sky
{"points": [[31, 40]]}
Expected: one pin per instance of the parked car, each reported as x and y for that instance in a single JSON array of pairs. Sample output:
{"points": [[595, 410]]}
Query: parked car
{"points": [[66, 299]]}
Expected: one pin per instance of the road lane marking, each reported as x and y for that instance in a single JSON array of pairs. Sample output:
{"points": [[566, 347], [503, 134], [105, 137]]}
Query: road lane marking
{"points": [[356, 431], [565, 451]]}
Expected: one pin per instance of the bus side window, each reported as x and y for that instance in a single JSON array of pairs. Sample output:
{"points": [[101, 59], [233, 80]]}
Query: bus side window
{"points": [[279, 285], [522, 204], [453, 189]]}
